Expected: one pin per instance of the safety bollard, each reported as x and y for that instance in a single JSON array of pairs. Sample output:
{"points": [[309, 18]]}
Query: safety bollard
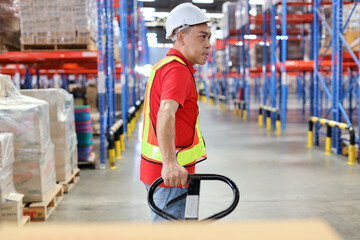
{"points": [[118, 143], [268, 119], [203, 98], [236, 106], [112, 148], [122, 142], [261, 119], [244, 111], [328, 140], [310, 135], [131, 116], [352, 147], [330, 124], [278, 123], [138, 109]]}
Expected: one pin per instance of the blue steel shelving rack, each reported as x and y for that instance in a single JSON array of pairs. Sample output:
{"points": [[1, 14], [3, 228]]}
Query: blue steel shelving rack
{"points": [[270, 88], [101, 83], [336, 95], [241, 81], [275, 88], [124, 12], [129, 12]]}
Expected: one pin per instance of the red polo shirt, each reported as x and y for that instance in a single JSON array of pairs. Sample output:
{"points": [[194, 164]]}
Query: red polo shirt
{"points": [[173, 81]]}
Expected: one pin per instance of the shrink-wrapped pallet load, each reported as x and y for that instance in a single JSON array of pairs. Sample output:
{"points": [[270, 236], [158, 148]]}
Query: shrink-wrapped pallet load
{"points": [[28, 119], [11, 202], [62, 128], [6, 166]]}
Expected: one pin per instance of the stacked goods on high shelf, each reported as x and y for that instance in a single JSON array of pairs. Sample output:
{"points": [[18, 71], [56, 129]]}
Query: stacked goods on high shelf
{"points": [[9, 26], [28, 119], [84, 132], [62, 129], [11, 202], [62, 24], [351, 32]]}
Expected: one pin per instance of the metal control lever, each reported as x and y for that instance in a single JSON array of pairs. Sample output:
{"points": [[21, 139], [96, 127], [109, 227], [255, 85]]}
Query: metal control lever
{"points": [[193, 197]]}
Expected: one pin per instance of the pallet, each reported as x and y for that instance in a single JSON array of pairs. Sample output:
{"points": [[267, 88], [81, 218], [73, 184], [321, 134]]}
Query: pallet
{"points": [[90, 163], [40, 211], [89, 45], [70, 183], [345, 146], [31, 47], [25, 221]]}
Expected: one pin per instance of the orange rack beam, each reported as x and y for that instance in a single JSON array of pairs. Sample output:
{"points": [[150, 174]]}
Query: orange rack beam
{"points": [[308, 3], [291, 19]]}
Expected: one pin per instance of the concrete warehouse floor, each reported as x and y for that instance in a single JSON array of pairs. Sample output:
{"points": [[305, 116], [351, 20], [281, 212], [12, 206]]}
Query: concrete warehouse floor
{"points": [[278, 178]]}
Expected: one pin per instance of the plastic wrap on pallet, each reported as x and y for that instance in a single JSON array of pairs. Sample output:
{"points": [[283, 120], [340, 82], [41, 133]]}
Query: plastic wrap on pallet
{"points": [[9, 25], [61, 103], [34, 173], [6, 166], [28, 119], [62, 127]]}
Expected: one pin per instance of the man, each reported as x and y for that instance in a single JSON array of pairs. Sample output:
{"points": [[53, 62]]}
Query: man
{"points": [[172, 142]]}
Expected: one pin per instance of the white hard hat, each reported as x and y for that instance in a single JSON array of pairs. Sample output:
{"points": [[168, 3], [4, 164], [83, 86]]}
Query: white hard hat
{"points": [[184, 15]]}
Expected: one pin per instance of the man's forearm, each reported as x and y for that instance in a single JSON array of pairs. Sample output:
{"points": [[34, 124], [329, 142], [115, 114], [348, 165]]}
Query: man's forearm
{"points": [[166, 136]]}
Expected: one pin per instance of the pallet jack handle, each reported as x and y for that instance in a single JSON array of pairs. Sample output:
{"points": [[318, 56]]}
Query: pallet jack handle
{"points": [[194, 190]]}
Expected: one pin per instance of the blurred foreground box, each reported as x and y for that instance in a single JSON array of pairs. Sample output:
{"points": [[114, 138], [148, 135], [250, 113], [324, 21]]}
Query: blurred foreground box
{"points": [[269, 230]]}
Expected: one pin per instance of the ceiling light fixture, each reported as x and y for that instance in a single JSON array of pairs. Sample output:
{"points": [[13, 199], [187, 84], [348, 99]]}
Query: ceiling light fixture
{"points": [[203, 1], [146, 0], [147, 9], [257, 2]]}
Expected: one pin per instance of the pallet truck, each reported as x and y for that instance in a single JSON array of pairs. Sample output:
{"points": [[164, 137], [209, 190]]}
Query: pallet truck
{"points": [[193, 197]]}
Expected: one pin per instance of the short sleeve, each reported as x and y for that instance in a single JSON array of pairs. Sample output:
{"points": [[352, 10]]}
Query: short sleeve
{"points": [[176, 79]]}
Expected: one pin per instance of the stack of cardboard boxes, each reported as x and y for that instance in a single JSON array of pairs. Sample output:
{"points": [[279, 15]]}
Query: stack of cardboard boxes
{"points": [[28, 119], [9, 26], [11, 202], [53, 21], [62, 129]]}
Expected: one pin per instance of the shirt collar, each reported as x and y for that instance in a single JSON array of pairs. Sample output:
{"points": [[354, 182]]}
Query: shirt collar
{"points": [[175, 52]]}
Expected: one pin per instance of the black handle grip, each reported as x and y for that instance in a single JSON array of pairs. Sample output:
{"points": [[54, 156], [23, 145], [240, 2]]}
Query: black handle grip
{"points": [[166, 215]]}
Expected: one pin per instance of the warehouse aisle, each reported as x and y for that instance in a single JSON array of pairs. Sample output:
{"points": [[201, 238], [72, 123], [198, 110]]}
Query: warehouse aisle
{"points": [[278, 178]]}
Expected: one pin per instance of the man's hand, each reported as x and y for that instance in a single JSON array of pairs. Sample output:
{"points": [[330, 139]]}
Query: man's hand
{"points": [[174, 175]]}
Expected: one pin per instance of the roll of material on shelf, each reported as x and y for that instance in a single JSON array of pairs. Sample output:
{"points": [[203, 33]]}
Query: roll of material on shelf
{"points": [[84, 132]]}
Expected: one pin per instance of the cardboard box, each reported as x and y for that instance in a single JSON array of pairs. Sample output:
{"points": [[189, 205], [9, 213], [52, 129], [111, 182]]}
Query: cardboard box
{"points": [[92, 96], [34, 175], [251, 230], [79, 102], [12, 209], [27, 118], [6, 165], [6, 182], [62, 127], [74, 159]]}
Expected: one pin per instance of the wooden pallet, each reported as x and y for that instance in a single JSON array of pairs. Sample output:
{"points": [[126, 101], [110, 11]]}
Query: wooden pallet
{"points": [[51, 47], [40, 211], [89, 45], [345, 146], [25, 221], [70, 183], [90, 163]]}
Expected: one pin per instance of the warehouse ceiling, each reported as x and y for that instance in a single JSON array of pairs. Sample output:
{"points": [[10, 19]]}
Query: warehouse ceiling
{"points": [[155, 14]]}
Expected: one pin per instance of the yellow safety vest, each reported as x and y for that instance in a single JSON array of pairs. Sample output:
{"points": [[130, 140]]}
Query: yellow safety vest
{"points": [[150, 150]]}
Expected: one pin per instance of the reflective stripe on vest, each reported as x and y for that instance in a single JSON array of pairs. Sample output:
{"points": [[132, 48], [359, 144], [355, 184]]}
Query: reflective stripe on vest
{"points": [[150, 148]]}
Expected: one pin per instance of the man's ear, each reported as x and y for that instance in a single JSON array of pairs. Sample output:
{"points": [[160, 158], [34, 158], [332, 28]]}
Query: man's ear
{"points": [[180, 38]]}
